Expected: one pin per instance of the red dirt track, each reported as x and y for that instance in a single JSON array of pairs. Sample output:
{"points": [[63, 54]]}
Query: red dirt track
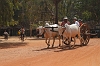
{"points": [[33, 52]]}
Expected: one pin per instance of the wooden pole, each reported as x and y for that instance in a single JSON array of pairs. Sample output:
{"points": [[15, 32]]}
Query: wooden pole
{"points": [[56, 17], [56, 7]]}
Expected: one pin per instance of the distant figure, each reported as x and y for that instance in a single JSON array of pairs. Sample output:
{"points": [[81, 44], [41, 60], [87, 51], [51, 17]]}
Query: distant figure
{"points": [[6, 35], [65, 21], [22, 33], [76, 22], [80, 22]]}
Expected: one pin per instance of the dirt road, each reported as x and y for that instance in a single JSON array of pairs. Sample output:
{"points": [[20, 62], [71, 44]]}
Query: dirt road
{"points": [[33, 52]]}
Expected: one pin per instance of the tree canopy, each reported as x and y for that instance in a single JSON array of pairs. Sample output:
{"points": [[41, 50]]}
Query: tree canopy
{"points": [[35, 12]]}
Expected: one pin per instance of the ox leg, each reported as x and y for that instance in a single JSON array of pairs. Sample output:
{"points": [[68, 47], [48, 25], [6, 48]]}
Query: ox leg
{"points": [[63, 40], [47, 42], [59, 41], [53, 41], [80, 38], [69, 41], [74, 43]]}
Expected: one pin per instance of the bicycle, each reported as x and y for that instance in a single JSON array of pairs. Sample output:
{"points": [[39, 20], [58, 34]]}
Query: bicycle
{"points": [[22, 37]]}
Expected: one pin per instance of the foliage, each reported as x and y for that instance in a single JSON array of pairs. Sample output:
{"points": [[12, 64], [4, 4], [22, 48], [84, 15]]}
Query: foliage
{"points": [[27, 12], [86, 15]]}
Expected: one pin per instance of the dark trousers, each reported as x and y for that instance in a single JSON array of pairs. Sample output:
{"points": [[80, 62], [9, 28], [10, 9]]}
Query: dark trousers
{"points": [[5, 36], [22, 36]]}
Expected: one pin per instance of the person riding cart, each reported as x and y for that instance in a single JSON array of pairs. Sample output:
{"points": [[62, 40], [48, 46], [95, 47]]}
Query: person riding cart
{"points": [[65, 21], [80, 21]]}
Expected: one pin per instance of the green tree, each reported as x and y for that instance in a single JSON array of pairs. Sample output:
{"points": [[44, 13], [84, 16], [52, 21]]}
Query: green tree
{"points": [[6, 11]]}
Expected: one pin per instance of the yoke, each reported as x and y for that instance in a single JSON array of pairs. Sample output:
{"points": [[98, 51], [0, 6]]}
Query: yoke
{"points": [[52, 29]]}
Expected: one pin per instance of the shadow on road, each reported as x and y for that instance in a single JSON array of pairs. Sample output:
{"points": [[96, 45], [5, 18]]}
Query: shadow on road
{"points": [[5, 45], [64, 48], [58, 49], [48, 49]]}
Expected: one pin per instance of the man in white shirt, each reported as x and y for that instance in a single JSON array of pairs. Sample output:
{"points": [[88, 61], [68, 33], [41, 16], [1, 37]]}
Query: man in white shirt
{"points": [[6, 35], [76, 22]]}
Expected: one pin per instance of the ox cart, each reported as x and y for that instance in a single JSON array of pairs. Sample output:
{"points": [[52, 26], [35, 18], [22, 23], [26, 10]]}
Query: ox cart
{"points": [[85, 34], [84, 31]]}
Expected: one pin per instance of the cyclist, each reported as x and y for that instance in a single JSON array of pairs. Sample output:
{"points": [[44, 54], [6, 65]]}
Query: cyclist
{"points": [[22, 33]]}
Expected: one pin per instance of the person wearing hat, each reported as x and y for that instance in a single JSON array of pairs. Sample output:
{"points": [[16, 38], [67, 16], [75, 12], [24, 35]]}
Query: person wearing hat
{"points": [[76, 22], [63, 25], [80, 22], [65, 21]]}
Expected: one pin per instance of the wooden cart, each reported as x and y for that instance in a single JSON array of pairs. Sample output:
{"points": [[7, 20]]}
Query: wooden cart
{"points": [[85, 34]]}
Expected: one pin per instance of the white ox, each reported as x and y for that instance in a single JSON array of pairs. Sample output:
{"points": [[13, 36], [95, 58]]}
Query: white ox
{"points": [[49, 31], [69, 31]]}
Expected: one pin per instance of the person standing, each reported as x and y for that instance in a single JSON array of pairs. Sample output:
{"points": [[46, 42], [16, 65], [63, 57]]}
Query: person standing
{"points": [[22, 33], [65, 21], [6, 35], [76, 22]]}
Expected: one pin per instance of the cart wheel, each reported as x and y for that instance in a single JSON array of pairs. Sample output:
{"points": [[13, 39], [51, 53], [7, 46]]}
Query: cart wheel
{"points": [[85, 34], [82, 41], [86, 41]]}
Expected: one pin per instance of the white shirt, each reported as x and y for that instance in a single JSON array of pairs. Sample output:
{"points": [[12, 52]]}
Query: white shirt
{"points": [[5, 33], [22, 30], [76, 22]]}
